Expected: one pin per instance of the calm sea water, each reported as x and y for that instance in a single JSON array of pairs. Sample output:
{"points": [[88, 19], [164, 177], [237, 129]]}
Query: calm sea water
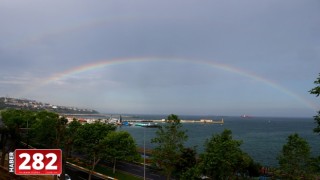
{"points": [[262, 137]]}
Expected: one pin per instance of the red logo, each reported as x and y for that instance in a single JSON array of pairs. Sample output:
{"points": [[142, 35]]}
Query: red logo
{"points": [[38, 161]]}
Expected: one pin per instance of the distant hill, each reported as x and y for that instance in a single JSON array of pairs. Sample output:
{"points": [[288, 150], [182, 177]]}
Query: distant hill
{"points": [[6, 102]]}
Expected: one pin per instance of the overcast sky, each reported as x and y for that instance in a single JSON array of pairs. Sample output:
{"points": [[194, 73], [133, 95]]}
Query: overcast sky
{"points": [[185, 57]]}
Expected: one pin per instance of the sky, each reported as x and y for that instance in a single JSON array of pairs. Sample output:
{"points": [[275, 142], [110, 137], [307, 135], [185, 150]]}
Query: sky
{"points": [[258, 58]]}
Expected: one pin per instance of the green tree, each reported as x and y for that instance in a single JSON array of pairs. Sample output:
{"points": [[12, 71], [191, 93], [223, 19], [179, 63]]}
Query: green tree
{"points": [[316, 91], [294, 159], [120, 146], [223, 158], [70, 135], [16, 122], [89, 140], [48, 130], [193, 173], [14, 126], [169, 142], [186, 161]]}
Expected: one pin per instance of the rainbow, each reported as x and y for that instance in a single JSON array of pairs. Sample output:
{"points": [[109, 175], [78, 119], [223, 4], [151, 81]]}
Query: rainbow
{"points": [[224, 67]]}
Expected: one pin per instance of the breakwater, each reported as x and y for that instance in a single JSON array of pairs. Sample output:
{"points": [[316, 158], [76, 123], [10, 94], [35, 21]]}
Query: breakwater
{"points": [[209, 121]]}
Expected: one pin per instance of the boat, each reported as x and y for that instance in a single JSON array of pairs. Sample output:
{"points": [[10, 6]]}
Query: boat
{"points": [[139, 124], [126, 123], [116, 121], [151, 125], [147, 125]]}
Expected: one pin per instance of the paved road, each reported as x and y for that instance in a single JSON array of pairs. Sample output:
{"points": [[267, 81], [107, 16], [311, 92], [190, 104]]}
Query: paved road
{"points": [[131, 168], [79, 175], [136, 169]]}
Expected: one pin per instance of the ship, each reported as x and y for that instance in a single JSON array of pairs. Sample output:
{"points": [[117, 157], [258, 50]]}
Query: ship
{"points": [[151, 125], [148, 125]]}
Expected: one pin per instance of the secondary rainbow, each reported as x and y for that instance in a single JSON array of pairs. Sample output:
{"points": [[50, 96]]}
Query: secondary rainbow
{"points": [[105, 63]]}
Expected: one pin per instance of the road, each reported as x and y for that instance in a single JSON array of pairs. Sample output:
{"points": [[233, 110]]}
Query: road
{"points": [[134, 169], [79, 175]]}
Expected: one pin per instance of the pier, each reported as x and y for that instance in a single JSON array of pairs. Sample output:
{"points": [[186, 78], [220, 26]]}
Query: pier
{"points": [[204, 121]]}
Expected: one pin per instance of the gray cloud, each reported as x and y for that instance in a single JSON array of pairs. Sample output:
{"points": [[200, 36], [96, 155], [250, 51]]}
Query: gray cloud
{"points": [[277, 40]]}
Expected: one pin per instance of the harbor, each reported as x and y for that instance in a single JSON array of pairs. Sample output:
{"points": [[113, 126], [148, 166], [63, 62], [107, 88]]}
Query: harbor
{"points": [[136, 122]]}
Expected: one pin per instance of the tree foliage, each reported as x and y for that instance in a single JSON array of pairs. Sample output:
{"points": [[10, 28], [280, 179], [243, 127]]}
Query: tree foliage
{"points": [[70, 135], [49, 128], [89, 138], [15, 120], [169, 142], [120, 146], [186, 161], [48, 131], [11, 132], [316, 91], [294, 159], [223, 158], [193, 173]]}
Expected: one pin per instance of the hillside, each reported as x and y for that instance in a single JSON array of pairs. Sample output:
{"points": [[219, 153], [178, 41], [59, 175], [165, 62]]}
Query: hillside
{"points": [[15, 103]]}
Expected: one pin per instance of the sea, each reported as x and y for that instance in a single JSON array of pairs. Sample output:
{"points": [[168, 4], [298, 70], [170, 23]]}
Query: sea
{"points": [[262, 137]]}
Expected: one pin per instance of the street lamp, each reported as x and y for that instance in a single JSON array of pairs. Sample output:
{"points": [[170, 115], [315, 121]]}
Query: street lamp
{"points": [[144, 153]]}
